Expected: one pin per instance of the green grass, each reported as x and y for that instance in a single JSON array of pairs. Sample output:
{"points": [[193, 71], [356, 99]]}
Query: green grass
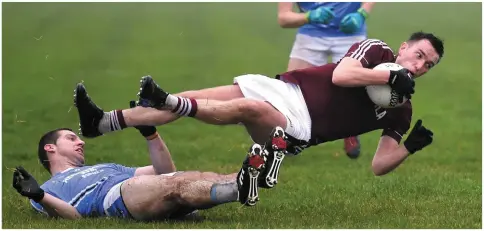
{"points": [[192, 46]]}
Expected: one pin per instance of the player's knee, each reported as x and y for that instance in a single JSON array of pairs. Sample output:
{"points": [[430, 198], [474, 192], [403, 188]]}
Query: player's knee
{"points": [[250, 110], [179, 191]]}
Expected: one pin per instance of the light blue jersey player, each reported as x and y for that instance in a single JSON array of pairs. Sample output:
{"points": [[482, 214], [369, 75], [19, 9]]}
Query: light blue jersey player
{"points": [[326, 29], [151, 192], [90, 189]]}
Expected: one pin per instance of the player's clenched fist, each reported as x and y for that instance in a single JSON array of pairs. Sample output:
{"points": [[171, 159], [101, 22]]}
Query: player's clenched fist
{"points": [[320, 15], [402, 82]]}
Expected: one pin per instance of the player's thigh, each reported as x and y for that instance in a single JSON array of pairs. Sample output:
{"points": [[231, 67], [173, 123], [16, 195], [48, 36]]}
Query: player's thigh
{"points": [[295, 64], [265, 118], [223, 93], [259, 133], [341, 45], [311, 50], [260, 127], [150, 197]]}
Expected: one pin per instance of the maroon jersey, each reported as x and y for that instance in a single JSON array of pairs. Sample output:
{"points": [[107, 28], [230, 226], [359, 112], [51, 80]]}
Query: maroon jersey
{"points": [[339, 112]]}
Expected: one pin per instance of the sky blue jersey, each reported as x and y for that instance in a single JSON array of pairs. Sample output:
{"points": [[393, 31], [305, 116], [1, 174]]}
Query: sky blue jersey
{"points": [[85, 187], [340, 9]]}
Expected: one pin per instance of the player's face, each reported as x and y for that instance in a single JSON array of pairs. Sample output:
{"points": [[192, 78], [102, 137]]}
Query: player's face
{"points": [[418, 57], [70, 146]]}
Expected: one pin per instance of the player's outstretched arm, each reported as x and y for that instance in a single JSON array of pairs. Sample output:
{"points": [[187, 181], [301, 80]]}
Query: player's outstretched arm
{"points": [[159, 154], [27, 186], [389, 154], [56, 207]]}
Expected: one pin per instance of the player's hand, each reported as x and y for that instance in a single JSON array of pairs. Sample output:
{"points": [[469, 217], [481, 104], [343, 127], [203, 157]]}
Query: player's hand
{"points": [[402, 82], [321, 15], [26, 185], [144, 130], [419, 138], [353, 21]]}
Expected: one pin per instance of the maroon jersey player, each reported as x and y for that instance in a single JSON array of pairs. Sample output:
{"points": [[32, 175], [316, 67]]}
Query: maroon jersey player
{"points": [[312, 105], [338, 111]]}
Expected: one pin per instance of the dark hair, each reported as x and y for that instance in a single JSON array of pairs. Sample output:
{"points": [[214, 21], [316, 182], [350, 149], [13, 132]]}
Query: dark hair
{"points": [[48, 138], [436, 42]]}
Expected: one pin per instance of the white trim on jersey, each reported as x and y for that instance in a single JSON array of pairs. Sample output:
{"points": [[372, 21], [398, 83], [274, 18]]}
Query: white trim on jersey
{"points": [[364, 46], [39, 209], [113, 194], [86, 191], [401, 136]]}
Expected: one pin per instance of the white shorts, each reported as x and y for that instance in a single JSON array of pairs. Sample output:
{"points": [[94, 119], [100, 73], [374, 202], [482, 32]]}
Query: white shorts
{"points": [[316, 50], [285, 97]]}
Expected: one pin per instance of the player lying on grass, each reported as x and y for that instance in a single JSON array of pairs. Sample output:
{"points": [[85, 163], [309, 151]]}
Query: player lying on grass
{"points": [[313, 105], [152, 192]]}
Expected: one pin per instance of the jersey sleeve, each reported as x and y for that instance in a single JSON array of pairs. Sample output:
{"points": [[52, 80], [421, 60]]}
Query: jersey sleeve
{"points": [[371, 52], [399, 123], [38, 207], [124, 169]]}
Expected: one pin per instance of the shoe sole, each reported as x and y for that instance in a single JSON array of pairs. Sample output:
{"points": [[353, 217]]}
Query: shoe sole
{"points": [[256, 163], [276, 147]]}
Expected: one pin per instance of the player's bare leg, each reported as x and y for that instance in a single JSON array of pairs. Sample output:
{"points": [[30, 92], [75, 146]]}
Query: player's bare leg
{"points": [[151, 197], [95, 122], [295, 64], [150, 116], [207, 176], [240, 110]]}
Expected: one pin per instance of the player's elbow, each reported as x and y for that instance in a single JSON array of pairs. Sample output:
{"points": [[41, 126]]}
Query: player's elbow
{"points": [[378, 172], [378, 169], [339, 78], [285, 20], [281, 20]]}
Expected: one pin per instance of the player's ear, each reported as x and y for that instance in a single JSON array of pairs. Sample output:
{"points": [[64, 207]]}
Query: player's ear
{"points": [[403, 47], [49, 147]]}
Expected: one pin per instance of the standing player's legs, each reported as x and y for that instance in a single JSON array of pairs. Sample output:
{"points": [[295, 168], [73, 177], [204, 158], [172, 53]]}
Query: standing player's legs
{"points": [[296, 63], [307, 51], [340, 46]]}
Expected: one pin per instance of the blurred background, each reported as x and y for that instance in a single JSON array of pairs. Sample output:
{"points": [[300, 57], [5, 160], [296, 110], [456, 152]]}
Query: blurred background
{"points": [[49, 47]]}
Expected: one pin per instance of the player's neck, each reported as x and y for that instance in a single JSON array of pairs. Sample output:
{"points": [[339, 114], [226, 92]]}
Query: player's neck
{"points": [[59, 167]]}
